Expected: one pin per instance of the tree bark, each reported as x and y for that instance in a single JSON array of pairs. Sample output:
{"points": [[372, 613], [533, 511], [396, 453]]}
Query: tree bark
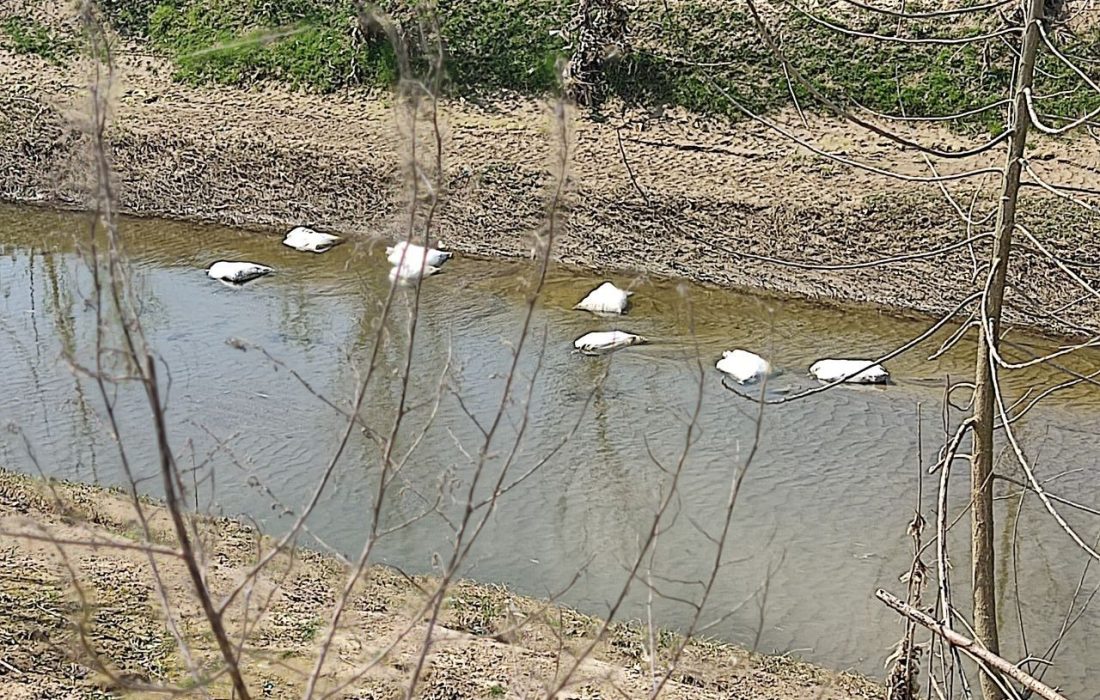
{"points": [[981, 465]]}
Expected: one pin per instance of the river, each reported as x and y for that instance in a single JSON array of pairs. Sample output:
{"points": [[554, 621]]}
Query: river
{"points": [[820, 522]]}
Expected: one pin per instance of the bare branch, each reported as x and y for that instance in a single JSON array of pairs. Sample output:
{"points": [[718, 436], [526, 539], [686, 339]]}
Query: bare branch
{"points": [[942, 41], [970, 647], [957, 116], [839, 111], [977, 172], [954, 12], [908, 345]]}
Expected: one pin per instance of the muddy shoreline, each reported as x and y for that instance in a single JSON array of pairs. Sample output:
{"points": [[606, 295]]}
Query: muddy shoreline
{"points": [[669, 195], [87, 621]]}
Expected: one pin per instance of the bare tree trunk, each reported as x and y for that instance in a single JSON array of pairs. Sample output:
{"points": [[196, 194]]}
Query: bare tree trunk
{"points": [[981, 466]]}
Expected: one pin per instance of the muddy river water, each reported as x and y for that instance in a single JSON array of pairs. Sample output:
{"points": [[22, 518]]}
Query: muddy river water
{"points": [[821, 517]]}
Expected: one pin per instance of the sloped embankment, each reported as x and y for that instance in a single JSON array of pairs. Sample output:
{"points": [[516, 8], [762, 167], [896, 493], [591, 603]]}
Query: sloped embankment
{"points": [[88, 622], [653, 189]]}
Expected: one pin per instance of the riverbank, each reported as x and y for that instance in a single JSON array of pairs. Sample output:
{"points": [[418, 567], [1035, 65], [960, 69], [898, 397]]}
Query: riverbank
{"points": [[655, 191], [490, 643]]}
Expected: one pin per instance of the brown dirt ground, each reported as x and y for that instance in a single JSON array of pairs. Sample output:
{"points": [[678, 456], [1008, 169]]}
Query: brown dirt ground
{"points": [[714, 193], [79, 621]]}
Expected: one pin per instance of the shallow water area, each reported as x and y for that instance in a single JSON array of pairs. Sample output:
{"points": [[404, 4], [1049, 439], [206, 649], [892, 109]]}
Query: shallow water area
{"points": [[820, 521]]}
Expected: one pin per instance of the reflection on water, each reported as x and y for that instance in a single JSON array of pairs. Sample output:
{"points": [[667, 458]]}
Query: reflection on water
{"points": [[822, 514]]}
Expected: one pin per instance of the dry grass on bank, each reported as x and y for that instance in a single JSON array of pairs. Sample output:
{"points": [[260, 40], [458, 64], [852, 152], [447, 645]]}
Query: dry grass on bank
{"points": [[62, 602]]}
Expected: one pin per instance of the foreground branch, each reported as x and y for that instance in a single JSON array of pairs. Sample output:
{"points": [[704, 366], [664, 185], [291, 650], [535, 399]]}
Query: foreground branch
{"points": [[190, 558], [970, 647]]}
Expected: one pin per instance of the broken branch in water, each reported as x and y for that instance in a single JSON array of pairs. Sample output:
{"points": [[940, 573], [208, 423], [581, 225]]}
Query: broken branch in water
{"points": [[970, 647]]}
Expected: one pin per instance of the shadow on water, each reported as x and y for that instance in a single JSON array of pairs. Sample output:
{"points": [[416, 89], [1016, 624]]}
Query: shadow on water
{"points": [[822, 515]]}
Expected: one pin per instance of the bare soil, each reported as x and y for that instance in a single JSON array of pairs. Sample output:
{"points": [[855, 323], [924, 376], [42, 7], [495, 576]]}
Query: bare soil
{"points": [[677, 196], [83, 617]]}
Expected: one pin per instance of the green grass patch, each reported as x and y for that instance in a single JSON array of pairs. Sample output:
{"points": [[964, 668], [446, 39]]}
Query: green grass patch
{"points": [[685, 54], [693, 53], [218, 42], [27, 36], [320, 46], [307, 629], [495, 44]]}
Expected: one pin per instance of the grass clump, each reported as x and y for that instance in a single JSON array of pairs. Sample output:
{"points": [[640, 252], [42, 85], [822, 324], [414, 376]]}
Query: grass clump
{"points": [[27, 36], [230, 42]]}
